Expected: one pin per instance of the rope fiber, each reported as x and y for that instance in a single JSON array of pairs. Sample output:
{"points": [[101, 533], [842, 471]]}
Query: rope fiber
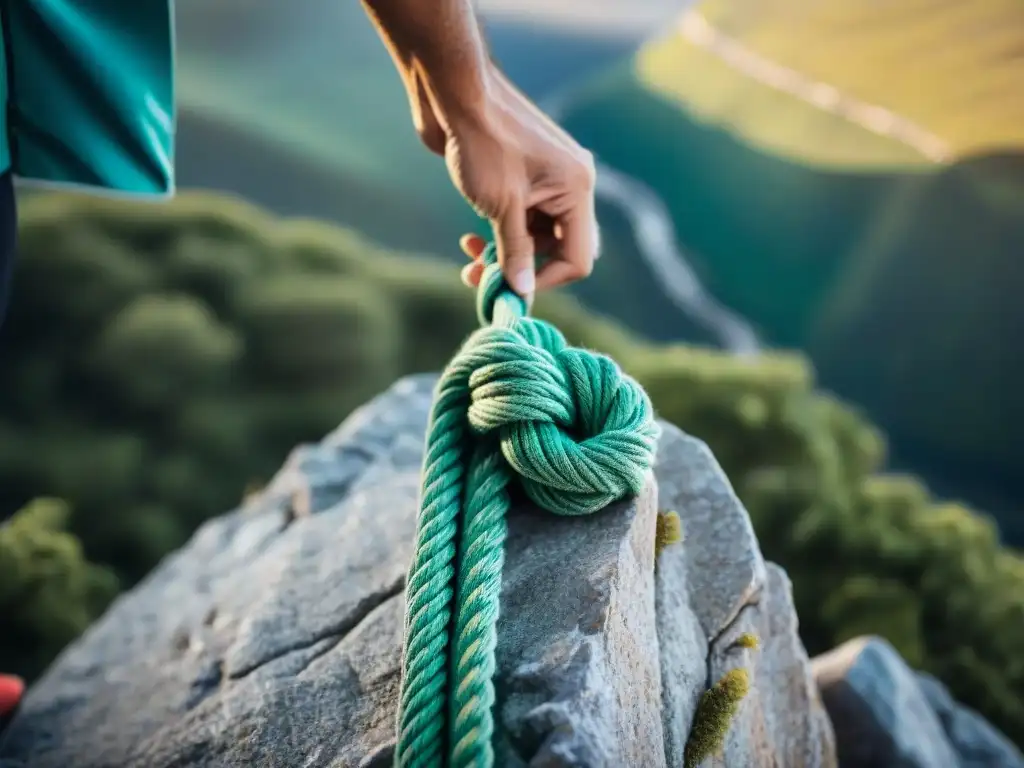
{"points": [[516, 403]]}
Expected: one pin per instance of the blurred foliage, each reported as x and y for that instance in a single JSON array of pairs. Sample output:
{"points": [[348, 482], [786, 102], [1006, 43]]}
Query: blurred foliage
{"points": [[160, 359], [907, 295], [49, 592]]}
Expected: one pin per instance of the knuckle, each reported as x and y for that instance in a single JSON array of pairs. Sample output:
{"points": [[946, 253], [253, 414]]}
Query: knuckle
{"points": [[491, 196], [485, 202], [430, 134], [584, 268], [586, 170], [521, 245]]}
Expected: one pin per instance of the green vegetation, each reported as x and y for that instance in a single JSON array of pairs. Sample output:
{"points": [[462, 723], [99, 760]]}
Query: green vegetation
{"points": [[668, 530], [748, 641], [715, 711], [851, 216], [49, 593], [159, 360]]}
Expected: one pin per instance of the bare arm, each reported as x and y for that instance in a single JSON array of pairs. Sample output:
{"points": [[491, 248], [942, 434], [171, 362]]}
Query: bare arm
{"points": [[515, 166], [439, 52]]}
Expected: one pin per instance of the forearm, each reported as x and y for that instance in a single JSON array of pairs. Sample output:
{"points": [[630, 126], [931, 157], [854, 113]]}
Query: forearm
{"points": [[438, 44]]}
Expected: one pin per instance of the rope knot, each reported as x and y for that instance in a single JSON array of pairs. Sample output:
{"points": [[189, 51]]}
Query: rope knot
{"points": [[579, 432]]}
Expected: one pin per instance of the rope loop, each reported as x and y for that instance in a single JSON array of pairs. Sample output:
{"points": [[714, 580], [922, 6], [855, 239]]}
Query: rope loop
{"points": [[578, 431]]}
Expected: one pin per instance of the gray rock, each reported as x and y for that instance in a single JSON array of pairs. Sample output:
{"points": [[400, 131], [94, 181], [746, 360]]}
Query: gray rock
{"points": [[715, 588], [274, 637], [783, 721], [886, 714], [977, 744]]}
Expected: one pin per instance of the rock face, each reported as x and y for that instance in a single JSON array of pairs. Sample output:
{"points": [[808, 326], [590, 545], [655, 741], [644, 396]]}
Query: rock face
{"points": [[273, 638], [886, 714]]}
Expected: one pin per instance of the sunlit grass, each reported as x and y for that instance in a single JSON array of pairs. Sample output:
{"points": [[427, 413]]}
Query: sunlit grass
{"points": [[703, 85], [954, 68]]}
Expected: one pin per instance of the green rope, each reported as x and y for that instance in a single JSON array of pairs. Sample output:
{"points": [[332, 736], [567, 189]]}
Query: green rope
{"points": [[515, 400]]}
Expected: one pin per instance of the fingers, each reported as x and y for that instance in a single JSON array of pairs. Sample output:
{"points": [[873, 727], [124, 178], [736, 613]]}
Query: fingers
{"points": [[579, 238], [571, 238], [473, 246], [471, 274], [574, 244], [557, 273], [516, 250]]}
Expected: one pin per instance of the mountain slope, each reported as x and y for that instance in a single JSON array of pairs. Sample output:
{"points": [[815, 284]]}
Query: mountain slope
{"points": [[884, 242], [312, 78], [952, 68]]}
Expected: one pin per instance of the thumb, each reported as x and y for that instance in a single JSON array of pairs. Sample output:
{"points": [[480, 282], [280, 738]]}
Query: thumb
{"points": [[515, 250]]}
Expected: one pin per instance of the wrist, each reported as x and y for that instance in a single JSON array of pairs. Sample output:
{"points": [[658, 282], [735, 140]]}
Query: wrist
{"points": [[461, 91]]}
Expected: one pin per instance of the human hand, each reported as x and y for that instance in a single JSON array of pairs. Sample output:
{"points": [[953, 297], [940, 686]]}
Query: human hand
{"points": [[473, 246], [513, 164], [529, 178]]}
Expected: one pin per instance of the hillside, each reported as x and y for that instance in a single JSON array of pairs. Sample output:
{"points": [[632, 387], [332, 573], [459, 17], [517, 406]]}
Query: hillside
{"points": [[216, 152], [885, 245], [311, 79], [205, 338], [950, 68], [776, 189]]}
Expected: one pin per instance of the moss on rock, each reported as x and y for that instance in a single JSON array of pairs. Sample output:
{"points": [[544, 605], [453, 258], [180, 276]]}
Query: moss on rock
{"points": [[715, 712]]}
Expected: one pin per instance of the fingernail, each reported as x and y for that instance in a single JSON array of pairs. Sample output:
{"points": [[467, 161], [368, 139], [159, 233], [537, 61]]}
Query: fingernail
{"points": [[523, 282]]}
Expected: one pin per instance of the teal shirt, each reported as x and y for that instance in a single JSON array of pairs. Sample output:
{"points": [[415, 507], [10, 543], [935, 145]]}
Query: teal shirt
{"points": [[88, 87], [5, 147]]}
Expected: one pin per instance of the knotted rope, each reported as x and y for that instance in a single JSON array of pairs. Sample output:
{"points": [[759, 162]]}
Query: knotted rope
{"points": [[578, 432]]}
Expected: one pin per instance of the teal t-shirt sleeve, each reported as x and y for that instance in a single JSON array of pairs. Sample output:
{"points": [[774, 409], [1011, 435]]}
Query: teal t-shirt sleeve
{"points": [[91, 91], [5, 147]]}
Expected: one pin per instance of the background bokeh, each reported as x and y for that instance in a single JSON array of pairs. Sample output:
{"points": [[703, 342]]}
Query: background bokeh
{"points": [[813, 217]]}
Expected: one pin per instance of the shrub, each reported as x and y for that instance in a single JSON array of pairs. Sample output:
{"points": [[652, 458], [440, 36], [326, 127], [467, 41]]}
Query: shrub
{"points": [[159, 360], [49, 593]]}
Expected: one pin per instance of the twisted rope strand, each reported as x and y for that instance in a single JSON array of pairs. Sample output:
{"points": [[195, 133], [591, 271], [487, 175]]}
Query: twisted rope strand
{"points": [[515, 401], [429, 587], [476, 638]]}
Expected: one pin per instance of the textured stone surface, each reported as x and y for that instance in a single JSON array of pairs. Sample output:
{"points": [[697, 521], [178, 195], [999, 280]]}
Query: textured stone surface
{"points": [[712, 589], [782, 722], [976, 743], [273, 638], [886, 714]]}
